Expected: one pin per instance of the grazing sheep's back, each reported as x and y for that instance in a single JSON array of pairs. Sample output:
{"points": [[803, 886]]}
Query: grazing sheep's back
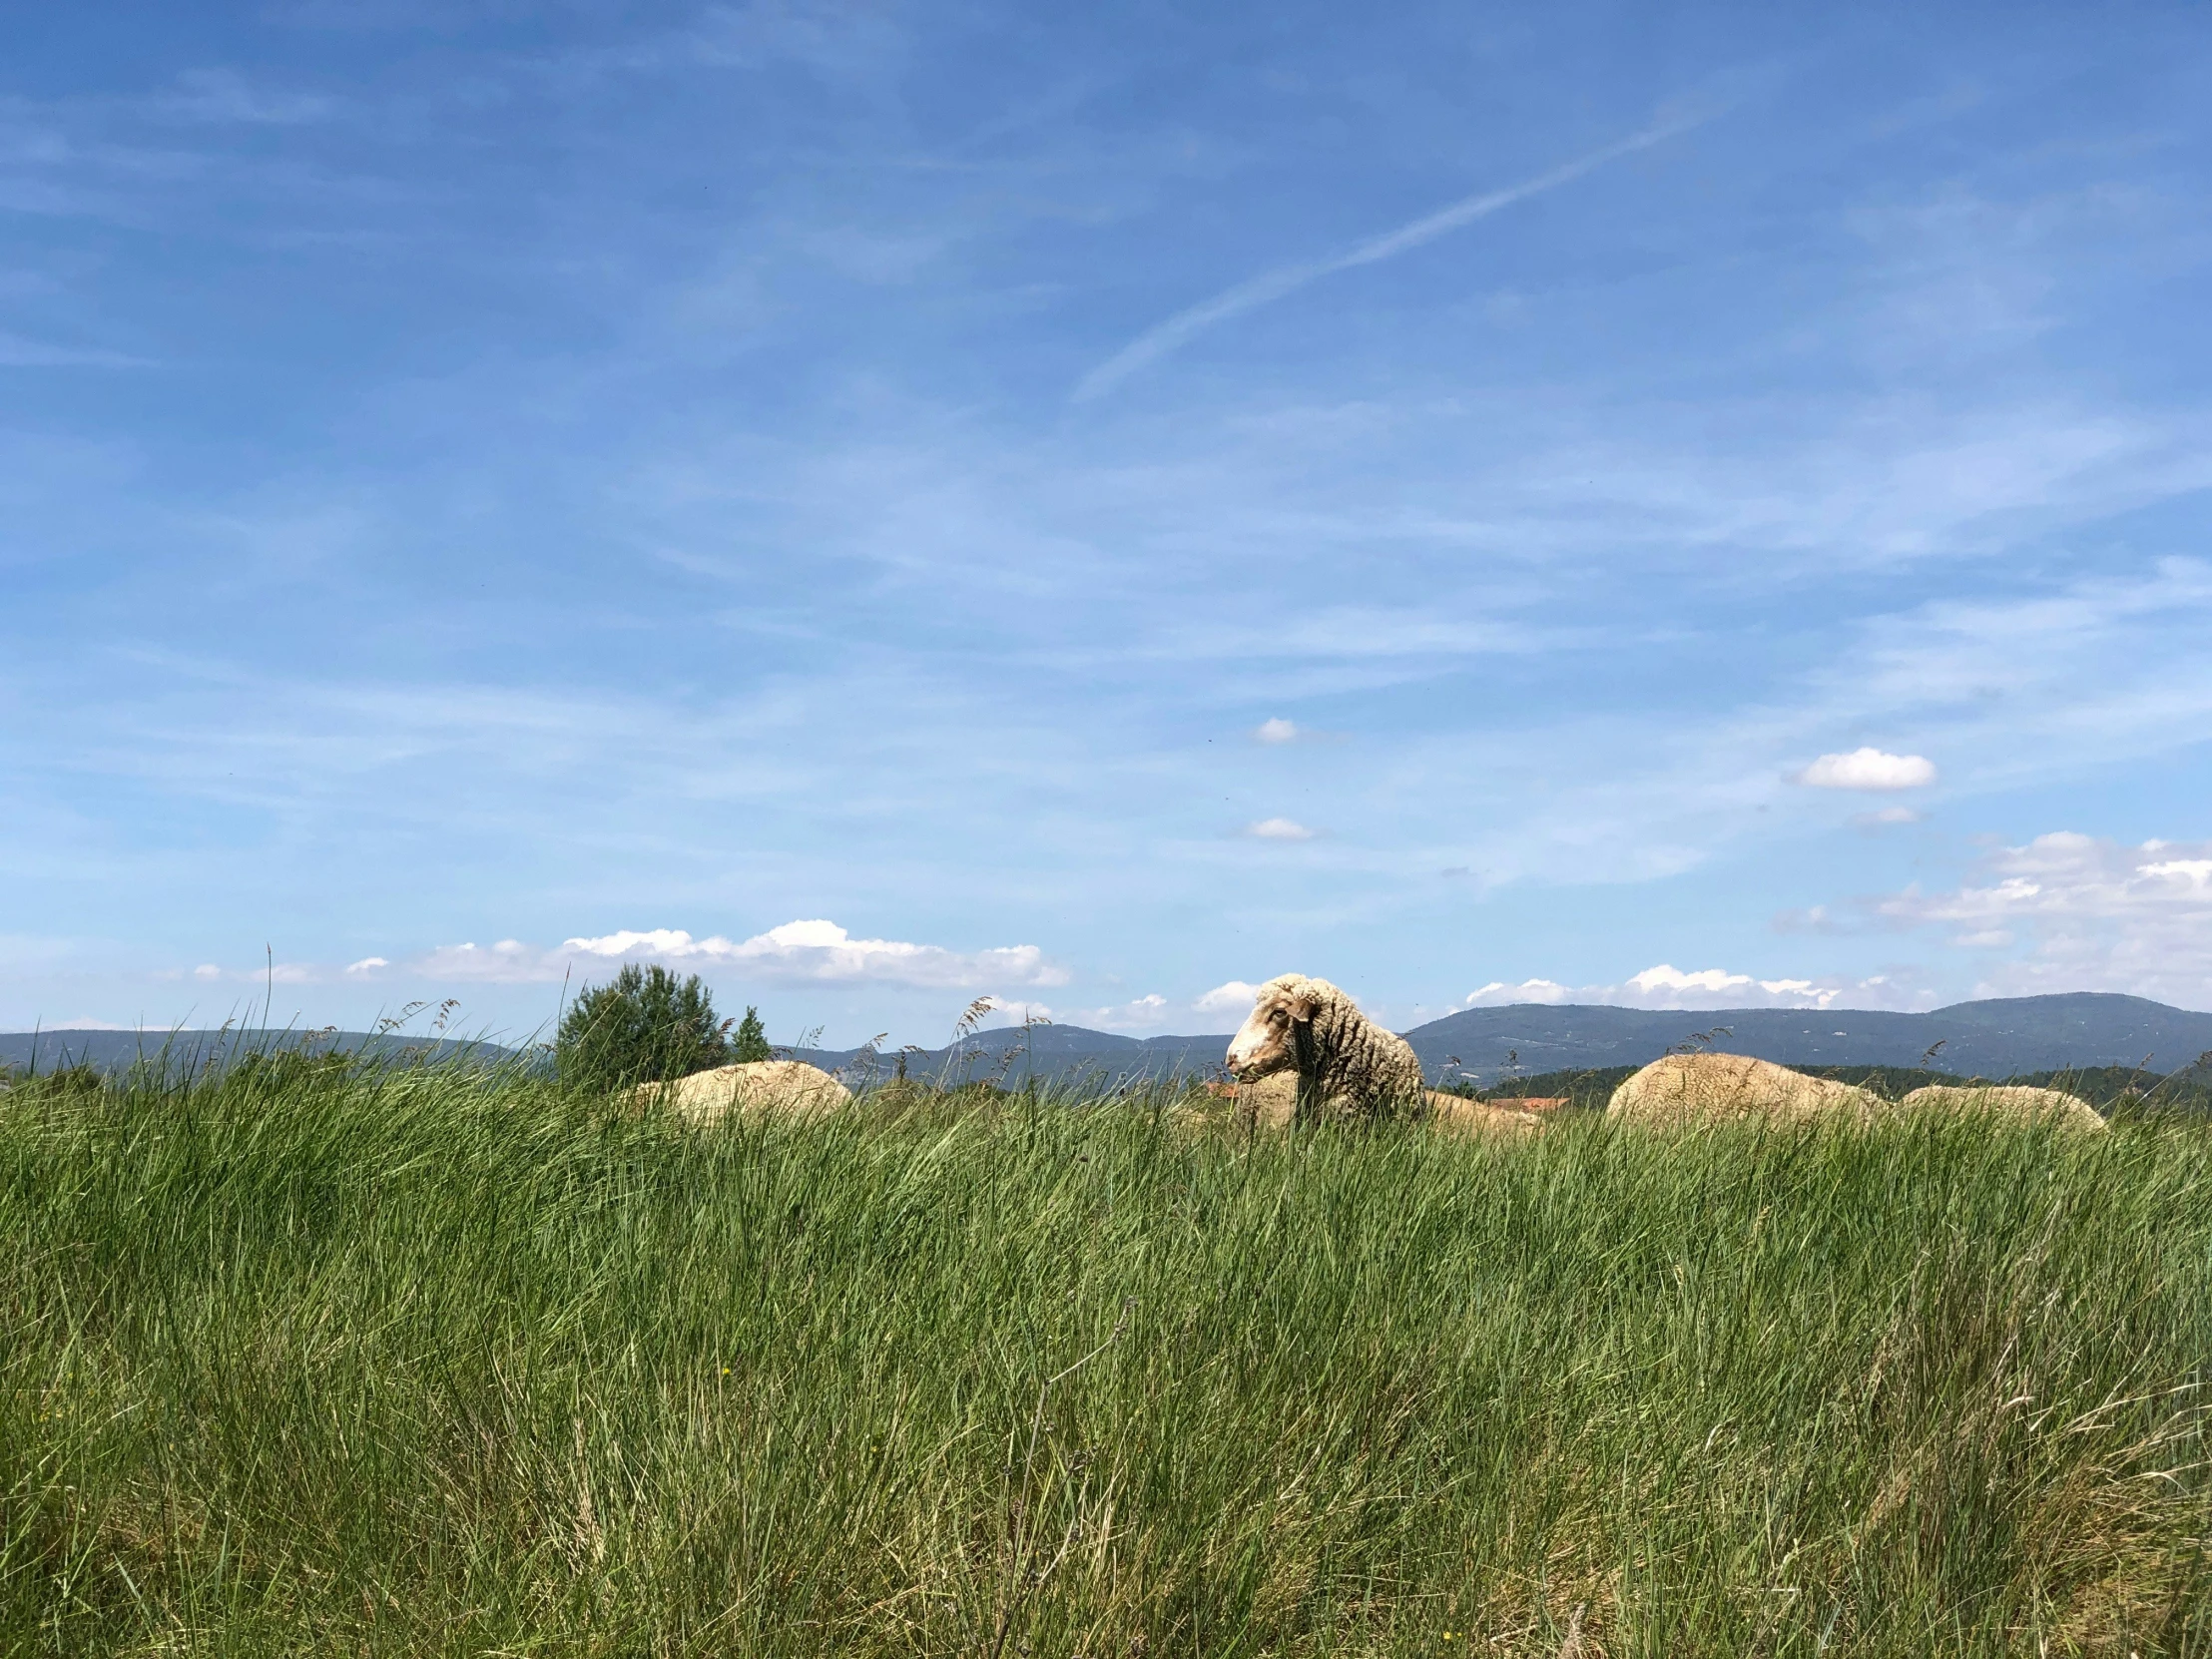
{"points": [[1272, 1103], [2012, 1100], [785, 1087], [1463, 1116], [1683, 1089], [1264, 1102]]}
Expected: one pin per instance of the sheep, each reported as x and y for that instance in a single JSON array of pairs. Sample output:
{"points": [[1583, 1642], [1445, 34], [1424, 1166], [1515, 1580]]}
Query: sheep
{"points": [[2012, 1100], [1272, 1103], [1459, 1115], [1696, 1088], [1345, 1063], [790, 1087], [1262, 1103]]}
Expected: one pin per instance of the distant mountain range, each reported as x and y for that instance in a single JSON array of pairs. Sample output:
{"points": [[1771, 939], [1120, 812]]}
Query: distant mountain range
{"points": [[190, 1050], [1063, 1053], [1995, 1038]]}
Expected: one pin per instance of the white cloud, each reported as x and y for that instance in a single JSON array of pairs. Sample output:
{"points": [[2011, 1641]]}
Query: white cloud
{"points": [[508, 962], [1275, 730], [261, 973], [1667, 978], [1235, 997], [1497, 993], [1666, 986], [802, 950], [1139, 1014], [2190, 876], [2083, 914], [368, 964], [1278, 829], [1150, 1012], [823, 950], [654, 941], [1869, 769], [1889, 814], [1149, 1015], [1005, 1012]]}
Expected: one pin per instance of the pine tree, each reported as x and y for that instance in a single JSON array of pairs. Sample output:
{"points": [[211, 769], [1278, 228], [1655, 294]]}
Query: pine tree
{"points": [[645, 1026], [750, 1042]]}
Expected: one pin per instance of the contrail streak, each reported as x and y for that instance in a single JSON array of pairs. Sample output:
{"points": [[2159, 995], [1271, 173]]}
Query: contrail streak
{"points": [[1156, 342]]}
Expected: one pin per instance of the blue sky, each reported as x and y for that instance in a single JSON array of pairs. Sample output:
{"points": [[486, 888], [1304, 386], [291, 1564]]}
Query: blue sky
{"points": [[883, 504]]}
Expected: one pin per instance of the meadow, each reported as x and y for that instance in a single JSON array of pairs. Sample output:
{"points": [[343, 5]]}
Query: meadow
{"points": [[435, 1360]]}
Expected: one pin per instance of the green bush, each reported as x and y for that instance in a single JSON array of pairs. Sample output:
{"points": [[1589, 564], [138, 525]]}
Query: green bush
{"points": [[645, 1026], [73, 1082], [751, 1041]]}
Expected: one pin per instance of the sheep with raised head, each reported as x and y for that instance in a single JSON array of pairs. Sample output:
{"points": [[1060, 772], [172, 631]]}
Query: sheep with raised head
{"points": [[1345, 1063]]}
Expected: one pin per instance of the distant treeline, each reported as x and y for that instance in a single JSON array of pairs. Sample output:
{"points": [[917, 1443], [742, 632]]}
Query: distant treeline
{"points": [[177, 1057]]}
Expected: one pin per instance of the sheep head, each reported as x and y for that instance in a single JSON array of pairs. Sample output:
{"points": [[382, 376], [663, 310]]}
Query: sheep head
{"points": [[1266, 1043]]}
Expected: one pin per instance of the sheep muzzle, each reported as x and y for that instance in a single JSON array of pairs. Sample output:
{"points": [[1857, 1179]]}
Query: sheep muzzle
{"points": [[1262, 1045]]}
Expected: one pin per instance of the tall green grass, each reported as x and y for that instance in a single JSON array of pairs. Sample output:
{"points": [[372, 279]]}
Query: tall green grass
{"points": [[439, 1362]]}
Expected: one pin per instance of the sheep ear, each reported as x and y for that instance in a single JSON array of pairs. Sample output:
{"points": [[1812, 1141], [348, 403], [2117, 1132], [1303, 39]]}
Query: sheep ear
{"points": [[1303, 1007]]}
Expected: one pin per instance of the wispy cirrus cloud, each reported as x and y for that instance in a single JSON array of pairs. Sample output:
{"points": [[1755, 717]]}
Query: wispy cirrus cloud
{"points": [[16, 351], [2069, 911], [1581, 529], [222, 96], [1177, 330]]}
